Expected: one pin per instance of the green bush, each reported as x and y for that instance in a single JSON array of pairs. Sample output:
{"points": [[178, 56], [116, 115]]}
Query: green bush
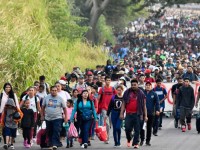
{"points": [[30, 44]]}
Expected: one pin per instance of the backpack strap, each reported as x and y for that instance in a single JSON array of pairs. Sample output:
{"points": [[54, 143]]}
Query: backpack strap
{"points": [[1, 96], [35, 101]]}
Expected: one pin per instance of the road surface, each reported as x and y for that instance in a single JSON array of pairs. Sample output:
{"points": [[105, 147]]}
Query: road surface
{"points": [[168, 138]]}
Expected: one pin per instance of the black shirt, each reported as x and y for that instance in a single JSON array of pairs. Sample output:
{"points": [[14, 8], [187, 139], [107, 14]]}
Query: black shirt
{"points": [[28, 118], [115, 104]]}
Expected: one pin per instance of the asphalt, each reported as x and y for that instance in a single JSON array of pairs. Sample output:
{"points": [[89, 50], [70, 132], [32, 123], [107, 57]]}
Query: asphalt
{"points": [[168, 138]]}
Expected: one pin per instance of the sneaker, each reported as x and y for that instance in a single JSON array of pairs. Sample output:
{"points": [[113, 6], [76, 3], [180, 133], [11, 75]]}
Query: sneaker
{"points": [[54, 147], [67, 146], [115, 146], [128, 144], [89, 143], [106, 142], [189, 126], [5, 146], [85, 145], [160, 128], [71, 145], [148, 144], [25, 143], [93, 138], [82, 146], [183, 128], [136, 146], [12, 146], [141, 143], [34, 139], [119, 145], [28, 145], [155, 134]]}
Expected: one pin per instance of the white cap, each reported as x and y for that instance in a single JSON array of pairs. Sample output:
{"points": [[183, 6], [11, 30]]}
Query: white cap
{"points": [[62, 82]]}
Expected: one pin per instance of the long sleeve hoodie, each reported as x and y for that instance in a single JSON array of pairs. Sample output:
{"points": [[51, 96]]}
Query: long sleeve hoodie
{"points": [[186, 97]]}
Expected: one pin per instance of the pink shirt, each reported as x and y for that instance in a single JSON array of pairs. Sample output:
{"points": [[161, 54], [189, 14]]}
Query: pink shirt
{"points": [[69, 112]]}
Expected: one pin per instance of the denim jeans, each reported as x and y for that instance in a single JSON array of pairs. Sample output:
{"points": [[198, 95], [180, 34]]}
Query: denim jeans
{"points": [[132, 121], [102, 117], [53, 129], [85, 127], [116, 122]]}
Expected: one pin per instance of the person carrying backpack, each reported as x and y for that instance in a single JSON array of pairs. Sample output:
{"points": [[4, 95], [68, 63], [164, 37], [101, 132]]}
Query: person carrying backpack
{"points": [[7, 93], [35, 106], [162, 95], [85, 113], [105, 95], [10, 118], [46, 85]]}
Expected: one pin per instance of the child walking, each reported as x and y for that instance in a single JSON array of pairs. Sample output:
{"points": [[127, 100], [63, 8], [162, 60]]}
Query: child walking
{"points": [[27, 123], [10, 118], [114, 108], [69, 141]]}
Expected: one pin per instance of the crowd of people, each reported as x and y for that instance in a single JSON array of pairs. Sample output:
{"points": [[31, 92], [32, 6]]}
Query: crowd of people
{"points": [[150, 51]]}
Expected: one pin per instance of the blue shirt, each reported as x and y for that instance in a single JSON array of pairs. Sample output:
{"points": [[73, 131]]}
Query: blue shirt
{"points": [[80, 108], [152, 102], [161, 92]]}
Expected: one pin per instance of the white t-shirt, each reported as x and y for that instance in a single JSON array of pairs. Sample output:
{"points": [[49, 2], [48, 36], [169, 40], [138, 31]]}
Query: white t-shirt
{"points": [[4, 101], [41, 95], [32, 102], [64, 95]]}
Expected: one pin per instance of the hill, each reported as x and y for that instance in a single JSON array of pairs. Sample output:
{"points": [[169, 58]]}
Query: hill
{"points": [[41, 37]]}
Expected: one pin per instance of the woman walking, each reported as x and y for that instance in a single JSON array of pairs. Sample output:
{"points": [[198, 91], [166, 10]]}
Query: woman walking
{"points": [[85, 112]]}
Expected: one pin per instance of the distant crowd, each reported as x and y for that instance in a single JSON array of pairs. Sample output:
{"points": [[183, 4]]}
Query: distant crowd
{"points": [[148, 51]]}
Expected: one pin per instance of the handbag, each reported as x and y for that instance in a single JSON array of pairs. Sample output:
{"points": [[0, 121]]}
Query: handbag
{"points": [[86, 114]]}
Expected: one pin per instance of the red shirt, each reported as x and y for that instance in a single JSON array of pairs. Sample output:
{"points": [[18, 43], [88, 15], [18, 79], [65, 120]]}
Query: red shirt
{"points": [[150, 79], [95, 101], [131, 107], [106, 97]]}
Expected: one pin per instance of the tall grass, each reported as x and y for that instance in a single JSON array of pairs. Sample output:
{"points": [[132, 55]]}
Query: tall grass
{"points": [[28, 49]]}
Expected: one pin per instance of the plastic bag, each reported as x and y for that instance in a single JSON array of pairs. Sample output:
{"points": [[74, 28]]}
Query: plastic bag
{"points": [[101, 132], [72, 132]]}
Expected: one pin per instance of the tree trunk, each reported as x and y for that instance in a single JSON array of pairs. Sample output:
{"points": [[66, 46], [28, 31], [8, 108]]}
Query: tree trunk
{"points": [[91, 34], [96, 11]]}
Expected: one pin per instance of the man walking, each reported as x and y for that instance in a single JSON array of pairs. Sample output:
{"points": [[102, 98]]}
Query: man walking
{"points": [[186, 101], [152, 104], [52, 108], [162, 95], [105, 95], [135, 105]]}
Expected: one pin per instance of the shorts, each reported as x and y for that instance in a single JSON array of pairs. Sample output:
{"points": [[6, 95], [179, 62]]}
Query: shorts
{"points": [[10, 132]]}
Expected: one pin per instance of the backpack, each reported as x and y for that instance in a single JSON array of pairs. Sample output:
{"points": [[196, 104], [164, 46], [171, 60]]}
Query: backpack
{"points": [[78, 111]]}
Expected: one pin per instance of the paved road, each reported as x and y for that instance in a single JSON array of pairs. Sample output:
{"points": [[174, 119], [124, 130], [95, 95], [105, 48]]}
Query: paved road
{"points": [[168, 138]]}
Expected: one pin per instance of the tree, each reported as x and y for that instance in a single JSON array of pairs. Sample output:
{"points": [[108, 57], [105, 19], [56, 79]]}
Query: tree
{"points": [[93, 9]]}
